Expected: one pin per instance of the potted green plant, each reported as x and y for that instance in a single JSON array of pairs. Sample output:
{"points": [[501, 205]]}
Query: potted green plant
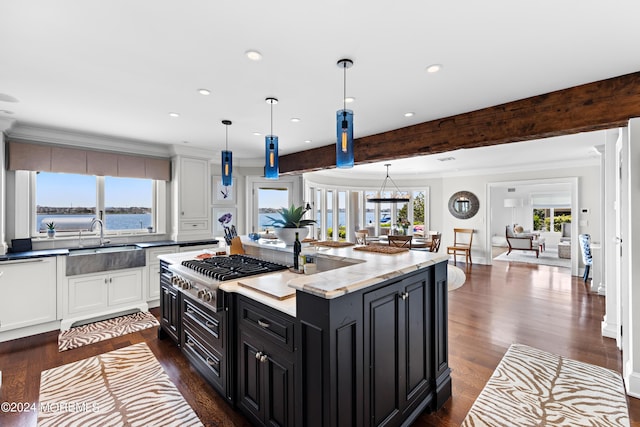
{"points": [[289, 223], [51, 229]]}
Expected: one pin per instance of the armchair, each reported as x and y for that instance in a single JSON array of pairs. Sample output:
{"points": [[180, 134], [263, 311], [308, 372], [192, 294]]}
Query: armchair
{"points": [[523, 241]]}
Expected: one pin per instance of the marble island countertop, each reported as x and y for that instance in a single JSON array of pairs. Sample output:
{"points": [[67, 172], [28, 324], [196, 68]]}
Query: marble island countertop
{"points": [[340, 270]]}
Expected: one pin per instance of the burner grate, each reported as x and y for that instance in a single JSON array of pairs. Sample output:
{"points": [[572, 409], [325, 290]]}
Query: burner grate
{"points": [[232, 267]]}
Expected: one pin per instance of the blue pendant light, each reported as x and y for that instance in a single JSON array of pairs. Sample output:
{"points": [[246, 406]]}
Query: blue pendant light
{"points": [[227, 158], [344, 125], [271, 169]]}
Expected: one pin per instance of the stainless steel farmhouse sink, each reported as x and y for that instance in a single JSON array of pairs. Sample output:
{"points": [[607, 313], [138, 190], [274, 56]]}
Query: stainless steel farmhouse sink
{"points": [[104, 258]]}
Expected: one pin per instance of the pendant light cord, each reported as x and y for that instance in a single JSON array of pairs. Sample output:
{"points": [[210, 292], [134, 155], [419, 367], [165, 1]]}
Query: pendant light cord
{"points": [[271, 120]]}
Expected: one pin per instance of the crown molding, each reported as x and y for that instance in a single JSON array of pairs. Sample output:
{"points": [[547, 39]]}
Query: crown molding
{"points": [[6, 124]]}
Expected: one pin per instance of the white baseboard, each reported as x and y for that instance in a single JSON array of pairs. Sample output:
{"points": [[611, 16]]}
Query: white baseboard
{"points": [[29, 330], [632, 384], [609, 330]]}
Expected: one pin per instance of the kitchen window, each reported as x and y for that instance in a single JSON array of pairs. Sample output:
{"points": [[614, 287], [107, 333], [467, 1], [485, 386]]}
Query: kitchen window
{"points": [[71, 201]]}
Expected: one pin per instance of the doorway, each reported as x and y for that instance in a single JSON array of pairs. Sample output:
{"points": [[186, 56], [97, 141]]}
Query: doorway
{"points": [[540, 206]]}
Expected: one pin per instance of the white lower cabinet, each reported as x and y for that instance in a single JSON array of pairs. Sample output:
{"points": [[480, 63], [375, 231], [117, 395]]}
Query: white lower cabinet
{"points": [[28, 292], [153, 270], [98, 294]]}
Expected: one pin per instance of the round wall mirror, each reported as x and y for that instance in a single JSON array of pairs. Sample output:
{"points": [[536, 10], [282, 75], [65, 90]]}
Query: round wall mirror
{"points": [[463, 205]]}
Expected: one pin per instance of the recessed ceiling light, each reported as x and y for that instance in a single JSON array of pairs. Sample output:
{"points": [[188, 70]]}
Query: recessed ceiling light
{"points": [[257, 134], [434, 68], [295, 119], [307, 141], [409, 114], [349, 99], [204, 92], [174, 114], [253, 55]]}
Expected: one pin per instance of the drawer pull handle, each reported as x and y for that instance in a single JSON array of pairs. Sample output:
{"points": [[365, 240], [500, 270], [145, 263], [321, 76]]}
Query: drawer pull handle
{"points": [[263, 358], [258, 355], [190, 343], [211, 362], [264, 323], [210, 325]]}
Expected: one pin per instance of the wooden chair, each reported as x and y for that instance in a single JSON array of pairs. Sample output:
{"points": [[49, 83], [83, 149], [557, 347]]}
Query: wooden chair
{"points": [[435, 242], [400, 241], [462, 238]]}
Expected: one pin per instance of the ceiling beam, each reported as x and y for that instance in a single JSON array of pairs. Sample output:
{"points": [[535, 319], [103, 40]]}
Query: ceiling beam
{"points": [[593, 106]]}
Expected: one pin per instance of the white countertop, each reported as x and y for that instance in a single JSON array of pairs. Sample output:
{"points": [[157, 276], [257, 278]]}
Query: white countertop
{"points": [[365, 269]]}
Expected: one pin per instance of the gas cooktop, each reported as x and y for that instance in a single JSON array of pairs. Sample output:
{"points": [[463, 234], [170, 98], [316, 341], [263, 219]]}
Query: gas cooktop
{"points": [[232, 267]]}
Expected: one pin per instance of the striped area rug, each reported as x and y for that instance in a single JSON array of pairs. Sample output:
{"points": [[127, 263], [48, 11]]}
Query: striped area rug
{"points": [[531, 387], [125, 387], [103, 330]]}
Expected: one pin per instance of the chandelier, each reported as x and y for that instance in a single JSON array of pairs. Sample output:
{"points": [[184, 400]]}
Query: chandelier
{"points": [[388, 195]]}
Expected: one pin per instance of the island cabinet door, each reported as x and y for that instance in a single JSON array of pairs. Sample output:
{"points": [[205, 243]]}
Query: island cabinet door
{"points": [[266, 382], [397, 325], [169, 312]]}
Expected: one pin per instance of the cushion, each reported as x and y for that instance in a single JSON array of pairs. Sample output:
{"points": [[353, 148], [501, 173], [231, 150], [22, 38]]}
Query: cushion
{"points": [[518, 229], [510, 231]]}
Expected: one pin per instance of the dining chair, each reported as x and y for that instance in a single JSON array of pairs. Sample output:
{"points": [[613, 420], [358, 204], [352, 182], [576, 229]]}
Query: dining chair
{"points": [[400, 241], [462, 238], [435, 242]]}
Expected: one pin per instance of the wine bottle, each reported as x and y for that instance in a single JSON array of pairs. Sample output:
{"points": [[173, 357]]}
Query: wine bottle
{"points": [[297, 248]]}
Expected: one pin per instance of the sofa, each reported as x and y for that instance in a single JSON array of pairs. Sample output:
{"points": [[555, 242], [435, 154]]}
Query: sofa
{"points": [[521, 240]]}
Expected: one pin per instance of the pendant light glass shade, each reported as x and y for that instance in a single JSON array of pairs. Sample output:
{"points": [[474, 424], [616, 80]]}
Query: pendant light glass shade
{"points": [[227, 158], [344, 125], [271, 168], [344, 145], [271, 157]]}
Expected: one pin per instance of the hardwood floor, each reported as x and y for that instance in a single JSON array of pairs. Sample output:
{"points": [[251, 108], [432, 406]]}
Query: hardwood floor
{"points": [[540, 306]]}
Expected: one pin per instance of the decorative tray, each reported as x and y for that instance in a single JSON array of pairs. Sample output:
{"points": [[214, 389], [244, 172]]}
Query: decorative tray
{"points": [[381, 249], [332, 244]]}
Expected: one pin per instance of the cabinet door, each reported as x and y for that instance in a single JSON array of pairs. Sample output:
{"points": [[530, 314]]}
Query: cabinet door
{"points": [[278, 373], [397, 348], [87, 293], [170, 311], [250, 378], [194, 188], [125, 287], [383, 353], [28, 292], [153, 287]]}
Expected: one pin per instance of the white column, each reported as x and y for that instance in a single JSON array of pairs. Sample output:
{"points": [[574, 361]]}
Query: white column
{"points": [[631, 244], [610, 326]]}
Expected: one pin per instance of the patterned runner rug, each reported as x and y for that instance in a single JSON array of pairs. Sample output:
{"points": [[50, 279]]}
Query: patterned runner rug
{"points": [[125, 387], [103, 330], [531, 387]]}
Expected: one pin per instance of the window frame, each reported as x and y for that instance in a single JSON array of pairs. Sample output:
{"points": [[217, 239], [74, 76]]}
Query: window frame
{"points": [[311, 188], [158, 209]]}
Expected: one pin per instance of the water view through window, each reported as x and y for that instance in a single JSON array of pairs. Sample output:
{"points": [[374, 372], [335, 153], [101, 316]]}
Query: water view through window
{"points": [[71, 200]]}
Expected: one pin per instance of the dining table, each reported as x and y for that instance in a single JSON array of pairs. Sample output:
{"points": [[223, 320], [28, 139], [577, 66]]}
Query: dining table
{"points": [[416, 242]]}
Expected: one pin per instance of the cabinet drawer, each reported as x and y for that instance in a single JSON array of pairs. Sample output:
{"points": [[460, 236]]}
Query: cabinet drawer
{"points": [[207, 324], [276, 328], [194, 225], [208, 363]]}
